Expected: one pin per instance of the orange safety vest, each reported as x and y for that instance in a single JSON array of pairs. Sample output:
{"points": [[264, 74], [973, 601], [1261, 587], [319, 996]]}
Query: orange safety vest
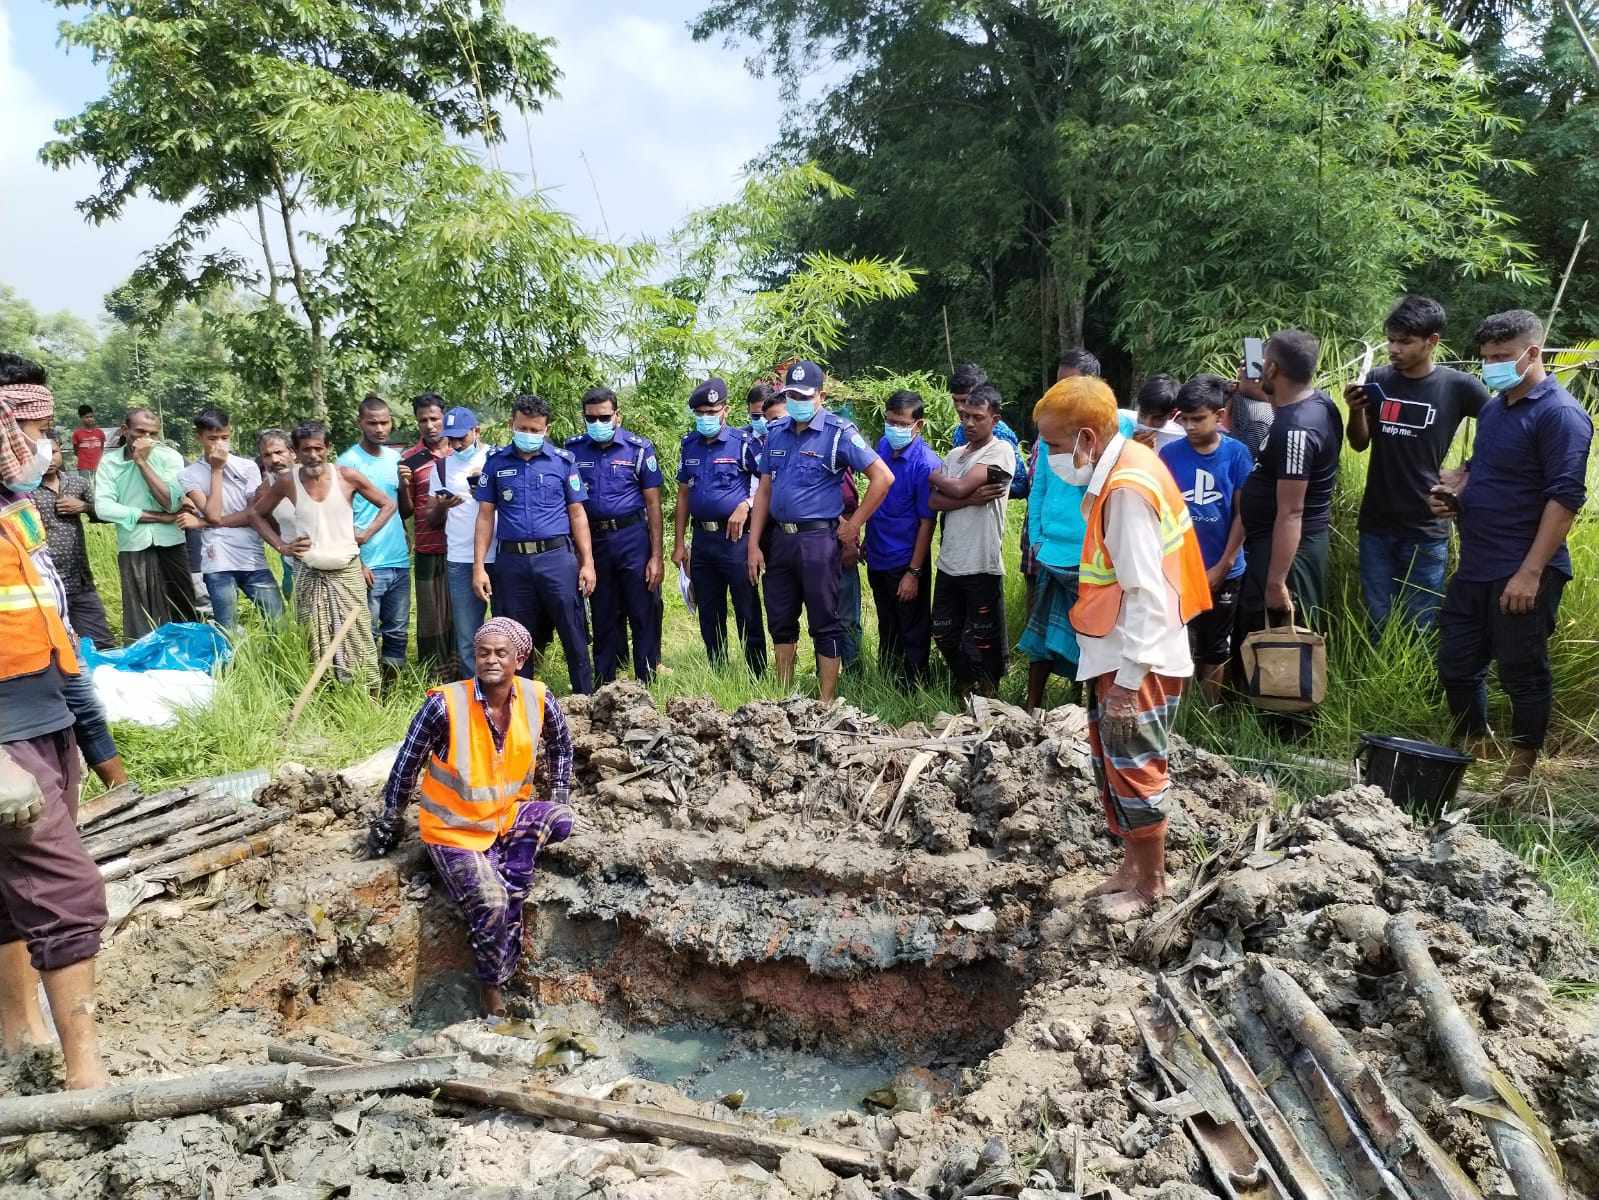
{"points": [[1099, 595], [473, 794], [31, 628]]}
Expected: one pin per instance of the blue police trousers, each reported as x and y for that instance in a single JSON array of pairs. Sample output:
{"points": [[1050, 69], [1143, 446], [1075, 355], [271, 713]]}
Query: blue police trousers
{"points": [[540, 591], [718, 567], [803, 569], [620, 556]]}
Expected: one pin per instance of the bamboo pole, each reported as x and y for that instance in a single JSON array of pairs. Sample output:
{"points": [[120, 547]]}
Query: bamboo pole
{"points": [[322, 665], [1582, 35], [1424, 1166], [1529, 1169], [1560, 292], [105, 821], [124, 795], [637, 1120], [208, 862], [151, 1099]]}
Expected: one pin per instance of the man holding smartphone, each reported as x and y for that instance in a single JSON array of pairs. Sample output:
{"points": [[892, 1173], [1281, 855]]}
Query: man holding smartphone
{"points": [[453, 482], [1407, 413], [969, 594]]}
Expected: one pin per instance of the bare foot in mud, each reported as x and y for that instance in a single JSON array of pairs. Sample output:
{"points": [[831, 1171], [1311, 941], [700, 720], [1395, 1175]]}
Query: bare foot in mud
{"points": [[96, 1078], [1119, 881], [493, 1001], [1121, 907]]}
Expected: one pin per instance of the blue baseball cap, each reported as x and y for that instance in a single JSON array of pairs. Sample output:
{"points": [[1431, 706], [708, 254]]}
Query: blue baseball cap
{"points": [[712, 392], [803, 378], [459, 422]]}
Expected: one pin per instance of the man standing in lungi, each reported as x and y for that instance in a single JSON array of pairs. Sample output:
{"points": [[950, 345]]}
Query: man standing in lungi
{"points": [[482, 741], [1142, 578], [331, 581]]}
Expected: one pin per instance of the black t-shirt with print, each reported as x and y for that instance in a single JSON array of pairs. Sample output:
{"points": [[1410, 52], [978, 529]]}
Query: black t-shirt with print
{"points": [[1410, 434], [1303, 444]]}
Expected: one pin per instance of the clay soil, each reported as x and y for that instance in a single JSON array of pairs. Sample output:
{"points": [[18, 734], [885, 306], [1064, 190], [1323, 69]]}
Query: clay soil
{"points": [[761, 871]]}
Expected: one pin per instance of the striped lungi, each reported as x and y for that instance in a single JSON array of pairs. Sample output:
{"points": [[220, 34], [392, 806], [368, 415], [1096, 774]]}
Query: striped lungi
{"points": [[1049, 636], [322, 602], [1131, 771]]}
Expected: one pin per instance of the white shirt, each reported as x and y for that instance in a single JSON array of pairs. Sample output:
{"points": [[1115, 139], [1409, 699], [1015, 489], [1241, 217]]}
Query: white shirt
{"points": [[1149, 634], [460, 522], [237, 548], [973, 541]]}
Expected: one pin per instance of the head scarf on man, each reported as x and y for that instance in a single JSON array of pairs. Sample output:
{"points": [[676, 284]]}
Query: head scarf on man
{"points": [[512, 631], [20, 402]]}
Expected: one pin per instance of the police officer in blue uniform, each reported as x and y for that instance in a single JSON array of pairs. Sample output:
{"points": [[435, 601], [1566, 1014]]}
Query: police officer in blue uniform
{"points": [[544, 566], [622, 477], [801, 494], [718, 468]]}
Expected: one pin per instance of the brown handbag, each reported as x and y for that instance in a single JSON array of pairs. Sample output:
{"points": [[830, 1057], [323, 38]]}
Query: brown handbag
{"points": [[1285, 668]]}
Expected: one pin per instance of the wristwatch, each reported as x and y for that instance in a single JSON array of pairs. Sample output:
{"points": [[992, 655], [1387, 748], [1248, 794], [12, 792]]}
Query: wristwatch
{"points": [[916, 571]]}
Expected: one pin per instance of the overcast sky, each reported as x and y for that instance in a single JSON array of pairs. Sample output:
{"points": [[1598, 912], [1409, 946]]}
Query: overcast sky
{"points": [[665, 124]]}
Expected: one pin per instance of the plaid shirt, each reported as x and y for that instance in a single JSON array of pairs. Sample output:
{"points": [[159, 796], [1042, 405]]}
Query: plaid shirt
{"points": [[65, 533], [429, 735]]}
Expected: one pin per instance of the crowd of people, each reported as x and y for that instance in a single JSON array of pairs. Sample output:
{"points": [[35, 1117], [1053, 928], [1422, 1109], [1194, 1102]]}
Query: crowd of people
{"points": [[1155, 536]]}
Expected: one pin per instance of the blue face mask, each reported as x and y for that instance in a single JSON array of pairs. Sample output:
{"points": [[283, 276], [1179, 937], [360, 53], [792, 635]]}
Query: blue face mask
{"points": [[601, 431], [707, 425], [527, 443], [1502, 376], [758, 426], [899, 436], [801, 410]]}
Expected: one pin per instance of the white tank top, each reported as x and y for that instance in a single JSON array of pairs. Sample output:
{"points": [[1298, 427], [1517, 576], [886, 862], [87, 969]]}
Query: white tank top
{"points": [[329, 523]]}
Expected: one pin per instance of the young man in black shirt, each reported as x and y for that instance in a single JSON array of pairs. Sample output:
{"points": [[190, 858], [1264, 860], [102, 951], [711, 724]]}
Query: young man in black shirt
{"points": [[1408, 413], [1286, 504]]}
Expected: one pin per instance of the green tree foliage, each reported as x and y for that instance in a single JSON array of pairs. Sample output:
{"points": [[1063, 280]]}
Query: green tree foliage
{"points": [[266, 111], [1155, 179]]}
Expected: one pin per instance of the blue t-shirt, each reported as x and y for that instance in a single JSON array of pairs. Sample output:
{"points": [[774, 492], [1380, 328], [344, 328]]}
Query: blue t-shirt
{"points": [[1209, 482], [387, 547]]}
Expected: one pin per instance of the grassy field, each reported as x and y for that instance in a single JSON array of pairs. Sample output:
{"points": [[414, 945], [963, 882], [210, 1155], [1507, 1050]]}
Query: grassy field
{"points": [[1390, 687]]}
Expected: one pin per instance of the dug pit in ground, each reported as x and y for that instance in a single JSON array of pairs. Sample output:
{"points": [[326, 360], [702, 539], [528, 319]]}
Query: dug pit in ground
{"points": [[840, 897]]}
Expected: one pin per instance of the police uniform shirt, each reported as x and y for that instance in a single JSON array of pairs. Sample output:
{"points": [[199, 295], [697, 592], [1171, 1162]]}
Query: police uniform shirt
{"points": [[805, 466], [530, 495], [615, 473], [718, 471]]}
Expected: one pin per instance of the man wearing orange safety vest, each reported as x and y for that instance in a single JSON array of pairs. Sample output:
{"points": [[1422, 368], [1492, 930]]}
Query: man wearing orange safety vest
{"points": [[478, 745], [1141, 580], [52, 899]]}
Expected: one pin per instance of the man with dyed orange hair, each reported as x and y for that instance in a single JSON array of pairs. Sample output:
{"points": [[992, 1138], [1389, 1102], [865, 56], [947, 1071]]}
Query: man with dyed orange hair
{"points": [[1140, 581]]}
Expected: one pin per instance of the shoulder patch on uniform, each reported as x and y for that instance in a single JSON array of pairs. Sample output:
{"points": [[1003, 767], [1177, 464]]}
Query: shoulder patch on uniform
{"points": [[651, 465], [575, 482], [857, 440]]}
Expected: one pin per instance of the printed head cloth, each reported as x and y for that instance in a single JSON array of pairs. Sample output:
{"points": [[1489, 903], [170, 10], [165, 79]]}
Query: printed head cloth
{"points": [[512, 631]]}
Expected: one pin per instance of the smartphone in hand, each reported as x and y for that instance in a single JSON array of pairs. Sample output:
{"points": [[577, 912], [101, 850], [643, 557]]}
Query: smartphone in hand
{"points": [[998, 475], [1254, 357], [1444, 496]]}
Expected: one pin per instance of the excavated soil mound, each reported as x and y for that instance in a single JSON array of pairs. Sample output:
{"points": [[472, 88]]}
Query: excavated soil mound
{"points": [[815, 878]]}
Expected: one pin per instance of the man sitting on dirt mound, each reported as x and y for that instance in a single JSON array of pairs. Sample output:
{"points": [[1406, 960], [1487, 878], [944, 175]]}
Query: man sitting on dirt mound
{"points": [[481, 741], [1141, 580]]}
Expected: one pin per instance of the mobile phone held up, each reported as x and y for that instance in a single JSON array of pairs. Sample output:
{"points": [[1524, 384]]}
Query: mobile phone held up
{"points": [[1254, 357], [998, 475]]}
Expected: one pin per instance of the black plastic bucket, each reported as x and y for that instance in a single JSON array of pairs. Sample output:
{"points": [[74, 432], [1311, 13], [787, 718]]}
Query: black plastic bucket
{"points": [[1421, 777]]}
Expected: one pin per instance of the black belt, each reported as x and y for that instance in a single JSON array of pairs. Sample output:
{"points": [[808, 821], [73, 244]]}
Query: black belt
{"points": [[807, 526], [711, 526], [543, 546], [611, 524]]}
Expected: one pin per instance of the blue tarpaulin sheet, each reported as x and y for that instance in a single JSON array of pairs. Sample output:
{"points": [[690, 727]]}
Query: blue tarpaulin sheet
{"points": [[179, 646]]}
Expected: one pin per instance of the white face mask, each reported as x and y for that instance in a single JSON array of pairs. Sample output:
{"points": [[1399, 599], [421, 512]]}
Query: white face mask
{"points": [[1066, 468]]}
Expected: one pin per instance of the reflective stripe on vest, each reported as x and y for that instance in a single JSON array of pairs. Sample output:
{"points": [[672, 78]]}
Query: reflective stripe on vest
{"points": [[32, 628], [1099, 595], [475, 792]]}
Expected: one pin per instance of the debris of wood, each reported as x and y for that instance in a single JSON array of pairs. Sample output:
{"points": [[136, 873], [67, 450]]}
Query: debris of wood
{"points": [[1518, 1137], [237, 830], [150, 1099], [637, 1120], [1423, 1165], [1271, 1130], [145, 807], [141, 833], [912, 773], [123, 796]]}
